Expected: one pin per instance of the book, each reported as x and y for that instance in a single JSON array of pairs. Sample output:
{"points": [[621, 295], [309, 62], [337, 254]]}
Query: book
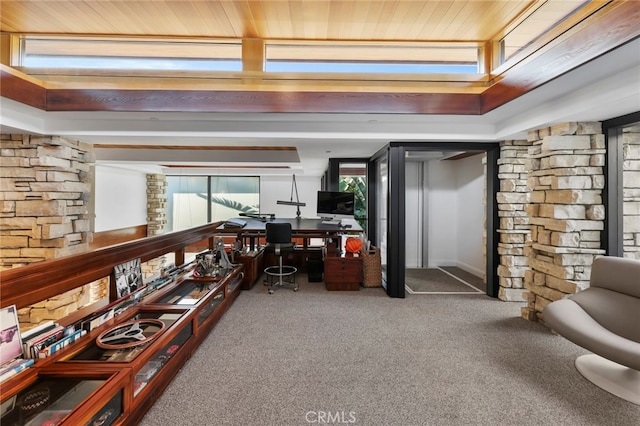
{"points": [[10, 338], [55, 347], [32, 332], [41, 340], [15, 367]]}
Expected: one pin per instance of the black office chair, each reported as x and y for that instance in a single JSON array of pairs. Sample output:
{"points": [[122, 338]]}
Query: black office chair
{"points": [[279, 242]]}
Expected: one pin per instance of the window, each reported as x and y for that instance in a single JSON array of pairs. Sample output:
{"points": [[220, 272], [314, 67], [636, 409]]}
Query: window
{"points": [[540, 21], [196, 200], [353, 178], [385, 58], [129, 54]]}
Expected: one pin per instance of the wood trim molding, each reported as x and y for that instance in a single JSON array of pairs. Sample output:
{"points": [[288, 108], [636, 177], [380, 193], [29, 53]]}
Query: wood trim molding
{"points": [[21, 89], [34, 283], [118, 236], [266, 101], [600, 33]]}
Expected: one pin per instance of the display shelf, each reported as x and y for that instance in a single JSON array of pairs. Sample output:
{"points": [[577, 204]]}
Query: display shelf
{"points": [[73, 397], [142, 345], [152, 365]]}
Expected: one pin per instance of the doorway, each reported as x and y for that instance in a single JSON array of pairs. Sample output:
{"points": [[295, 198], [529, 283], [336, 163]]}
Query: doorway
{"points": [[395, 157], [444, 222]]}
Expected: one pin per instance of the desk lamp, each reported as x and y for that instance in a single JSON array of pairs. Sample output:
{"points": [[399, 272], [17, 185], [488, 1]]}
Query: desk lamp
{"points": [[296, 203]]}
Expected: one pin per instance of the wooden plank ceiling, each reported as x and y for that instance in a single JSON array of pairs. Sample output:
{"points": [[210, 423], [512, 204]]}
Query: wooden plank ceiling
{"points": [[400, 20], [599, 27]]}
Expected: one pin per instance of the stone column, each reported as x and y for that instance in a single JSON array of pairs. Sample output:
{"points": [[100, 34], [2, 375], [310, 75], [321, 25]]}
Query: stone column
{"points": [[156, 204], [156, 218], [631, 192], [44, 192], [514, 223], [565, 211], [45, 188]]}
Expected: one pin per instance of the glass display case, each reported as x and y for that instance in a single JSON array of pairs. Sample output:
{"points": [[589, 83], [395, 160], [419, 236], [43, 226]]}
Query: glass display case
{"points": [[124, 333], [190, 292], [67, 399]]}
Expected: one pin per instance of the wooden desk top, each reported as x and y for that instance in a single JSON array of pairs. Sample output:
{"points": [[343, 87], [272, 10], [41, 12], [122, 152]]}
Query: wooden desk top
{"points": [[301, 225]]}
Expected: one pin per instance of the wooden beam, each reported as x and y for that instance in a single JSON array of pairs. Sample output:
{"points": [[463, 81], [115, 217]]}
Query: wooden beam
{"points": [[600, 33], [263, 101]]}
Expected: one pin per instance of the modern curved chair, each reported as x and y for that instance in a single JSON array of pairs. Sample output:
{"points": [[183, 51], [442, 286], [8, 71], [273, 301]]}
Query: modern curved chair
{"points": [[605, 319]]}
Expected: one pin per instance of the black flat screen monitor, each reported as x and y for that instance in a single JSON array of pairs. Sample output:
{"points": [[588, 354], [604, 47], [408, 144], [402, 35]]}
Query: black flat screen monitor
{"points": [[336, 205]]}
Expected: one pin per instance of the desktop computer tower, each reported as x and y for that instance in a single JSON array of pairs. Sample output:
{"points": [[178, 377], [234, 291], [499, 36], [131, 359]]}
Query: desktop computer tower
{"points": [[315, 268]]}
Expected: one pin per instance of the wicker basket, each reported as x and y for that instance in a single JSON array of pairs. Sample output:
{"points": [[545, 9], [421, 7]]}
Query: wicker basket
{"points": [[371, 267]]}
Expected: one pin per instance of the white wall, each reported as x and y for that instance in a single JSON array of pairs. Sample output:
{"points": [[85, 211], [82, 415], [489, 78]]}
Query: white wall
{"points": [[278, 188], [442, 205], [470, 214], [451, 196], [121, 198], [415, 206]]}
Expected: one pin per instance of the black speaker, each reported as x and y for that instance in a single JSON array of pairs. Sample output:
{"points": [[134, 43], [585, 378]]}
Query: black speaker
{"points": [[315, 266]]}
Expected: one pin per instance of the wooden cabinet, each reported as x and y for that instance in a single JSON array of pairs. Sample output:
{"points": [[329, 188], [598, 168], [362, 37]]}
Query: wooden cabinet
{"points": [[54, 396], [175, 321], [253, 263], [342, 273], [87, 383]]}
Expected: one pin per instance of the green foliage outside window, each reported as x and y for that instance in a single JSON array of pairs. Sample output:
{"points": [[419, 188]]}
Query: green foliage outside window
{"points": [[357, 185]]}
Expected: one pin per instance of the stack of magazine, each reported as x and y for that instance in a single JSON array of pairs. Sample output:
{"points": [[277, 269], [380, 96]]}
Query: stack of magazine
{"points": [[47, 338], [11, 351], [18, 351]]}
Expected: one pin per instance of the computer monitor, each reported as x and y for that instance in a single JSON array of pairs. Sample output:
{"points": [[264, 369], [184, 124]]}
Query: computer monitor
{"points": [[334, 205]]}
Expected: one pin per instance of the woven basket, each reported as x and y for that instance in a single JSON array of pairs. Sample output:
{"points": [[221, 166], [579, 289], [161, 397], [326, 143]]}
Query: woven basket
{"points": [[371, 267]]}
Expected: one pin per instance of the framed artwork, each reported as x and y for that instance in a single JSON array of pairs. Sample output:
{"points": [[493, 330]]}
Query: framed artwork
{"points": [[10, 341], [128, 278]]}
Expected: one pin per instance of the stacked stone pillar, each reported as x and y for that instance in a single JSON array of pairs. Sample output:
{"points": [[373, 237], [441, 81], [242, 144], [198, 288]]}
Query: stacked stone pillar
{"points": [[156, 219], [156, 204], [631, 191], [565, 210], [45, 188], [513, 229]]}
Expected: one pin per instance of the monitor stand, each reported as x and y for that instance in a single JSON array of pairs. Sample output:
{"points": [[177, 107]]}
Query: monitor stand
{"points": [[331, 221]]}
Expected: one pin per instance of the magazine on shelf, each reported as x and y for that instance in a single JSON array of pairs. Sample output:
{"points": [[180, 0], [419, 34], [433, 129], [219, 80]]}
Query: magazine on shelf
{"points": [[10, 339], [55, 347], [42, 340], [14, 368]]}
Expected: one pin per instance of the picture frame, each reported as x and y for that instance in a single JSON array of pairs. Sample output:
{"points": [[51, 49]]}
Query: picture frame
{"points": [[10, 339], [127, 278]]}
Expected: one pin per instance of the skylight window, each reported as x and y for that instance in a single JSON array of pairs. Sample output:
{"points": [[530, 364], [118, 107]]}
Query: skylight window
{"points": [[129, 54], [544, 18], [384, 58]]}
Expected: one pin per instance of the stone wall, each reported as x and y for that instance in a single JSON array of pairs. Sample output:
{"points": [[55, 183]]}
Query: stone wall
{"points": [[45, 188], [514, 231], [156, 219], [631, 192], [565, 210], [156, 204]]}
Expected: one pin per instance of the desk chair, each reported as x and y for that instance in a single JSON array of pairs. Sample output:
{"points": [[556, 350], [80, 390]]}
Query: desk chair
{"points": [[278, 236]]}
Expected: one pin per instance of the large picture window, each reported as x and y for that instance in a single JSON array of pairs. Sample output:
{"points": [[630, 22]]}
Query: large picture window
{"points": [[195, 200]]}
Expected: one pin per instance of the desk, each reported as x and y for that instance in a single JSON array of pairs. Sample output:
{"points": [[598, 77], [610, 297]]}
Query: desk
{"points": [[304, 229], [301, 228]]}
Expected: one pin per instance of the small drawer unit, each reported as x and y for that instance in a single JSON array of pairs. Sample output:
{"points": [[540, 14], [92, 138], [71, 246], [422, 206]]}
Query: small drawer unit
{"points": [[343, 273]]}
